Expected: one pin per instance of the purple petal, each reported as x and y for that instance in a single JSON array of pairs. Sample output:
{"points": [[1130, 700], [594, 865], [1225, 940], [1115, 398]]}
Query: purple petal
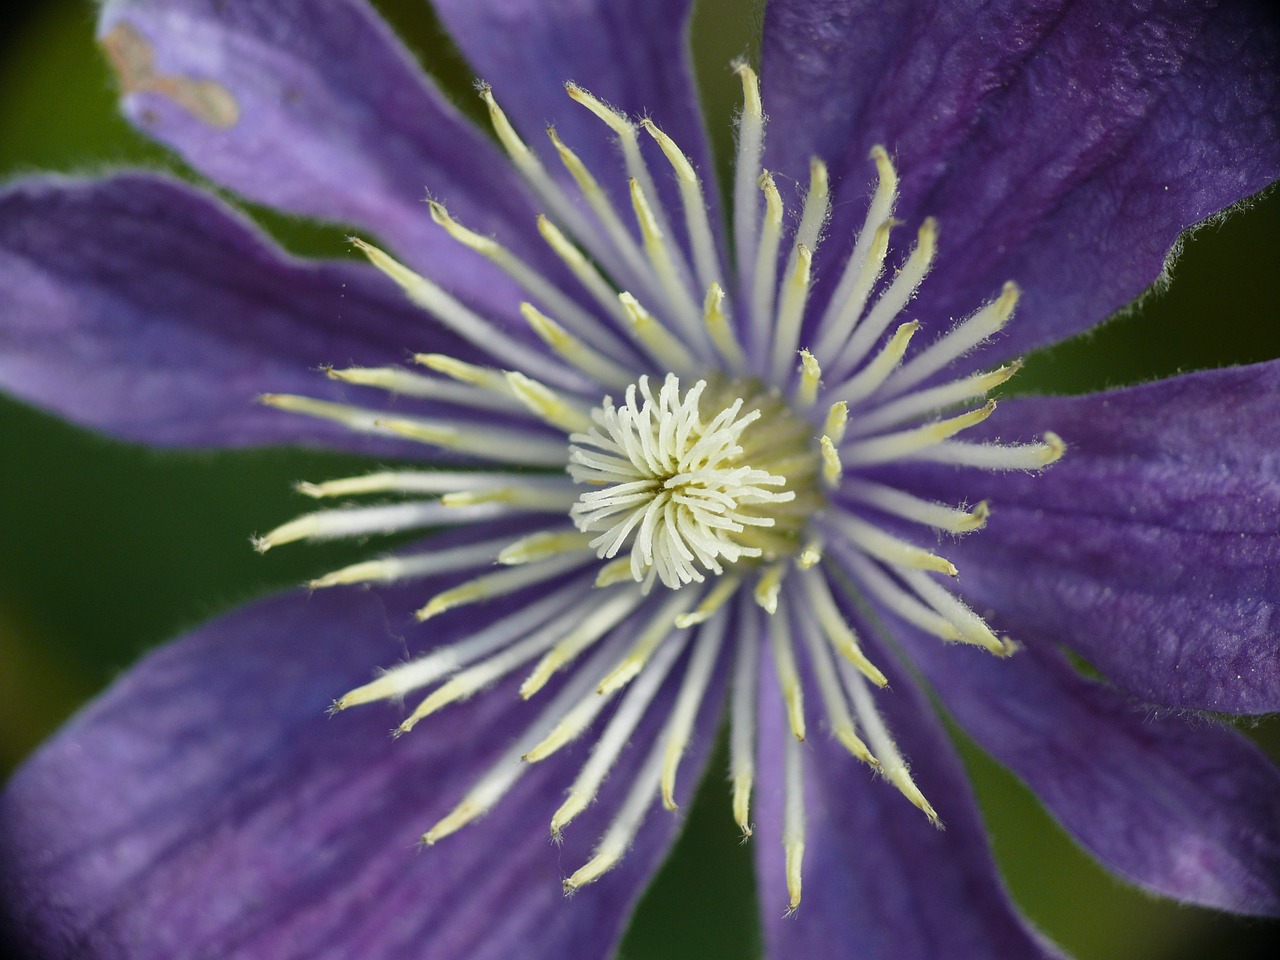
{"points": [[881, 883], [635, 56], [1185, 809], [313, 106], [1153, 547], [1061, 145], [138, 306], [205, 806]]}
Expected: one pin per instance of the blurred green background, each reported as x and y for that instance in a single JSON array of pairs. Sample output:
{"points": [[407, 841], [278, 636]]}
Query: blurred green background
{"points": [[110, 549]]}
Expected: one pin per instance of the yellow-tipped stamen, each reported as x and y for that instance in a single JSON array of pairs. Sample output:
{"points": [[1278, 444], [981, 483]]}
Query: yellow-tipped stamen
{"points": [[660, 343], [894, 446], [919, 403], [498, 584], [811, 553], [817, 204], [631, 710], [940, 516], [525, 496], [959, 340], [999, 456], [491, 443], [403, 382], [538, 287], [870, 578], [461, 320], [706, 259], [552, 407], [726, 586], [898, 553], [589, 361], [746, 171], [793, 820], [367, 521], [659, 251], [588, 630], [659, 628], [972, 628], [837, 421], [692, 690], [810, 379], [411, 566], [405, 481], [359, 419], [742, 718], [583, 270], [861, 268], [786, 332], [832, 468], [615, 572], [541, 545], [722, 332], [486, 378], [768, 586], [892, 765], [839, 634], [833, 696], [765, 272], [868, 380], [784, 662], [399, 681]]}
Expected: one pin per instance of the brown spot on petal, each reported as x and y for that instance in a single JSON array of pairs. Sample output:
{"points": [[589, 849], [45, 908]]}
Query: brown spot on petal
{"points": [[133, 59]]}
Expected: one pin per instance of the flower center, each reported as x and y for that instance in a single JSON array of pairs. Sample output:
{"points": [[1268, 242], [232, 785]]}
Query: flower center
{"points": [[693, 482]]}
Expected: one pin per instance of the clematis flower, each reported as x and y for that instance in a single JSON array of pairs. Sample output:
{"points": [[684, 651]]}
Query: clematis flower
{"points": [[684, 472]]}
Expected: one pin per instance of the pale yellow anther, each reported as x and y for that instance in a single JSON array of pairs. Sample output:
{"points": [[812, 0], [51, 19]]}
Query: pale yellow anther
{"points": [[506, 133], [838, 633], [455, 820], [784, 661], [657, 339], [645, 645], [548, 404], [867, 380], [832, 468], [485, 377], [530, 496], [368, 571], [794, 854], [773, 209], [616, 121], [811, 553], [582, 356], [591, 871], [356, 418], [850, 740], [837, 421], [587, 183], [977, 518], [675, 156], [468, 238], [585, 632], [888, 177], [726, 586], [810, 379], [541, 545], [751, 102], [391, 379], [900, 777], [1054, 448], [650, 231], [615, 572], [767, 587], [495, 584], [742, 784], [723, 336]]}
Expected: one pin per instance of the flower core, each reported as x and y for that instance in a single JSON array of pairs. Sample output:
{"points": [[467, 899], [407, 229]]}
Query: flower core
{"points": [[741, 469], [694, 481]]}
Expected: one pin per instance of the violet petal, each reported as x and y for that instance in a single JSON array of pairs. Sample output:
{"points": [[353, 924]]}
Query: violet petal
{"points": [[314, 107], [206, 806], [140, 307], [881, 883], [1064, 146], [1185, 809], [1153, 547]]}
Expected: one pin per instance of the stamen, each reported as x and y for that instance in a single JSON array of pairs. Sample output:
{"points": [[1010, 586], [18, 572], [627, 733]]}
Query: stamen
{"points": [[822, 606], [402, 382], [833, 696], [723, 334], [398, 681], [486, 378], [837, 421], [418, 481], [370, 521], [726, 586], [793, 819], [742, 718], [659, 251], [905, 605], [410, 566], [891, 302], [766, 264], [921, 402], [999, 456], [581, 268], [784, 661], [810, 379], [832, 468], [817, 204], [593, 364], [891, 550], [746, 171], [577, 319], [931, 514], [590, 629], [491, 443], [895, 446], [701, 239], [659, 627], [499, 584], [962, 338], [869, 379], [971, 627], [465, 322], [658, 341], [552, 407], [616, 735], [786, 333], [541, 545], [680, 726]]}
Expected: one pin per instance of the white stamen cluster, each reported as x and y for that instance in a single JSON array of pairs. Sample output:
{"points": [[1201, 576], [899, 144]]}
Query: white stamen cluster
{"points": [[747, 494], [673, 485]]}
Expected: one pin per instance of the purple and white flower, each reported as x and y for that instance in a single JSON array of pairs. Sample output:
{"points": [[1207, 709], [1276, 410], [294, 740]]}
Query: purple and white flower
{"points": [[689, 463]]}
